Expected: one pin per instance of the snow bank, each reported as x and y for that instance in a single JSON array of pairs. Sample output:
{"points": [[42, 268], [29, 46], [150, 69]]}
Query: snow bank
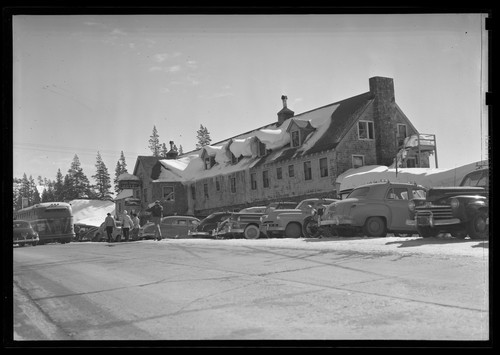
{"points": [[428, 177], [243, 147], [91, 212]]}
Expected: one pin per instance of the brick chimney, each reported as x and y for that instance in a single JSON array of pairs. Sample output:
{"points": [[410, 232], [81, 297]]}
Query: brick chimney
{"points": [[285, 112], [384, 106], [172, 153]]}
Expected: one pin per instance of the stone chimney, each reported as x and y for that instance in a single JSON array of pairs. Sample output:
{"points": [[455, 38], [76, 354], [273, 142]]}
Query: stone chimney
{"points": [[384, 107], [285, 112], [172, 153]]}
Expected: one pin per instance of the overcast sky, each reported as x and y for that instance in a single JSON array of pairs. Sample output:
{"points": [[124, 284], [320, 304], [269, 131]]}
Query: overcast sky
{"points": [[83, 84]]}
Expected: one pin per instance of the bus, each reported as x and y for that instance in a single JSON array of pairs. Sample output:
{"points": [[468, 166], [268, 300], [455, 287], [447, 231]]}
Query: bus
{"points": [[52, 220]]}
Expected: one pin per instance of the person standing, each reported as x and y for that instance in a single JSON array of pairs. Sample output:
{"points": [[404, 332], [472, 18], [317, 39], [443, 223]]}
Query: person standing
{"points": [[110, 224], [136, 226], [156, 214], [127, 224]]}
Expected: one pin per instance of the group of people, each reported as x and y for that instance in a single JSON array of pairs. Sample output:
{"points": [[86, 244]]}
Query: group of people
{"points": [[131, 225]]}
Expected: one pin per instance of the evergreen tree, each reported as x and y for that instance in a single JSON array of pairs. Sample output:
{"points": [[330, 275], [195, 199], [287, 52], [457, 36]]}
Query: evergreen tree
{"points": [[16, 193], [103, 181], [164, 150], [180, 150], [121, 167], [77, 184], [59, 187], [154, 143], [203, 137]]}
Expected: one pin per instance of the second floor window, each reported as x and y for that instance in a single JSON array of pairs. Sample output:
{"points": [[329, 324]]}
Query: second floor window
{"points": [[233, 184], [307, 170], [253, 181], [168, 193], [323, 167], [295, 138], [217, 183], [205, 190], [365, 130], [265, 178], [279, 173], [291, 171]]}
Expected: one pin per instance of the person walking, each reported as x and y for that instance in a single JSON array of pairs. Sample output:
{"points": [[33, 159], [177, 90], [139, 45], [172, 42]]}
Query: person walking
{"points": [[127, 224], [136, 227], [156, 214], [110, 224]]}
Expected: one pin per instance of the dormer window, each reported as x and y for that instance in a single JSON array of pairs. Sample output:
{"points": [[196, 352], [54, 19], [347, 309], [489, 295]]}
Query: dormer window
{"points": [[295, 135], [235, 160], [209, 162], [262, 149]]}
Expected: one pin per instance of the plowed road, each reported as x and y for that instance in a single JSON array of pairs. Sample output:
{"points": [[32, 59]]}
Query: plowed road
{"points": [[338, 289]]}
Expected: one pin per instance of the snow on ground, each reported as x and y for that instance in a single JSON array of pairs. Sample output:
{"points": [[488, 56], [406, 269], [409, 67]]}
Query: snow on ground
{"points": [[91, 212], [444, 246]]}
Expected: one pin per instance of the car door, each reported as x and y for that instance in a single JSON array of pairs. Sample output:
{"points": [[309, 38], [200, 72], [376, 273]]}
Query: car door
{"points": [[167, 227], [397, 200]]}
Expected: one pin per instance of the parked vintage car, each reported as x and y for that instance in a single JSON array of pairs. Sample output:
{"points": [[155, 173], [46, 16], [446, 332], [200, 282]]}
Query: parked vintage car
{"points": [[171, 227], [373, 209], [461, 210], [247, 224], [209, 224], [24, 233], [254, 209], [100, 234], [289, 222], [84, 232]]}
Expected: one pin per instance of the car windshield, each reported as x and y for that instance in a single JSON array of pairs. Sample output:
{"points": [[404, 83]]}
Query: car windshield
{"points": [[420, 193], [359, 192], [21, 224]]}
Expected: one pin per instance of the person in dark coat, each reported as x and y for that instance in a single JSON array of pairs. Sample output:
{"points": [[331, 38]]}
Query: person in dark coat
{"points": [[156, 215], [110, 224]]}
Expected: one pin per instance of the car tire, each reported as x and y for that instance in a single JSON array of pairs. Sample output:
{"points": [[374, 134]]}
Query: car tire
{"points": [[477, 227], [427, 232], [293, 230], [251, 232], [310, 227], [375, 227]]}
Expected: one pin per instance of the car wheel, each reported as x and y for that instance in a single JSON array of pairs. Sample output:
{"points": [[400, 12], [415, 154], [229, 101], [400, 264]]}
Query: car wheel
{"points": [[310, 227], [293, 230], [251, 232], [427, 232], [477, 228], [375, 227]]}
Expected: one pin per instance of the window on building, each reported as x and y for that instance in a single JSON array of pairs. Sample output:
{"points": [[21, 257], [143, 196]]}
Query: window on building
{"points": [[253, 181], [365, 130], [168, 193], [233, 184], [145, 194], [262, 149], [323, 167], [295, 138], [358, 160], [291, 171], [217, 183], [279, 173], [209, 162], [205, 190], [402, 134], [193, 192], [265, 178], [307, 170]]}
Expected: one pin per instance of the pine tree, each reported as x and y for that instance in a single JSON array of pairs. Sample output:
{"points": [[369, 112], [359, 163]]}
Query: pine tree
{"points": [[77, 184], [103, 181], [203, 137], [59, 187], [154, 143], [180, 150], [121, 167], [164, 150]]}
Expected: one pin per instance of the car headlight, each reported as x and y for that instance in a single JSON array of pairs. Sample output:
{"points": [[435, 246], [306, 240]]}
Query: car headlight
{"points": [[454, 203], [411, 206]]}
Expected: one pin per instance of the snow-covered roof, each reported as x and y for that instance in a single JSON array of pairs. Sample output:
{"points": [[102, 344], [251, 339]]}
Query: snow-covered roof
{"points": [[325, 127], [124, 194], [127, 176], [428, 177]]}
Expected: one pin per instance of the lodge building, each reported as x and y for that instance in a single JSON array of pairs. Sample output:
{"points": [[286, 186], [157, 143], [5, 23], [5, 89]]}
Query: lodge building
{"points": [[297, 156]]}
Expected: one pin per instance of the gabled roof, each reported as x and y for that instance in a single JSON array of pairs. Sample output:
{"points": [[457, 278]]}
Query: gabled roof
{"points": [[146, 161]]}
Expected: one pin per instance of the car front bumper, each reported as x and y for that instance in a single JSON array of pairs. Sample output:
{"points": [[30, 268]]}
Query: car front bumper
{"points": [[429, 221]]}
